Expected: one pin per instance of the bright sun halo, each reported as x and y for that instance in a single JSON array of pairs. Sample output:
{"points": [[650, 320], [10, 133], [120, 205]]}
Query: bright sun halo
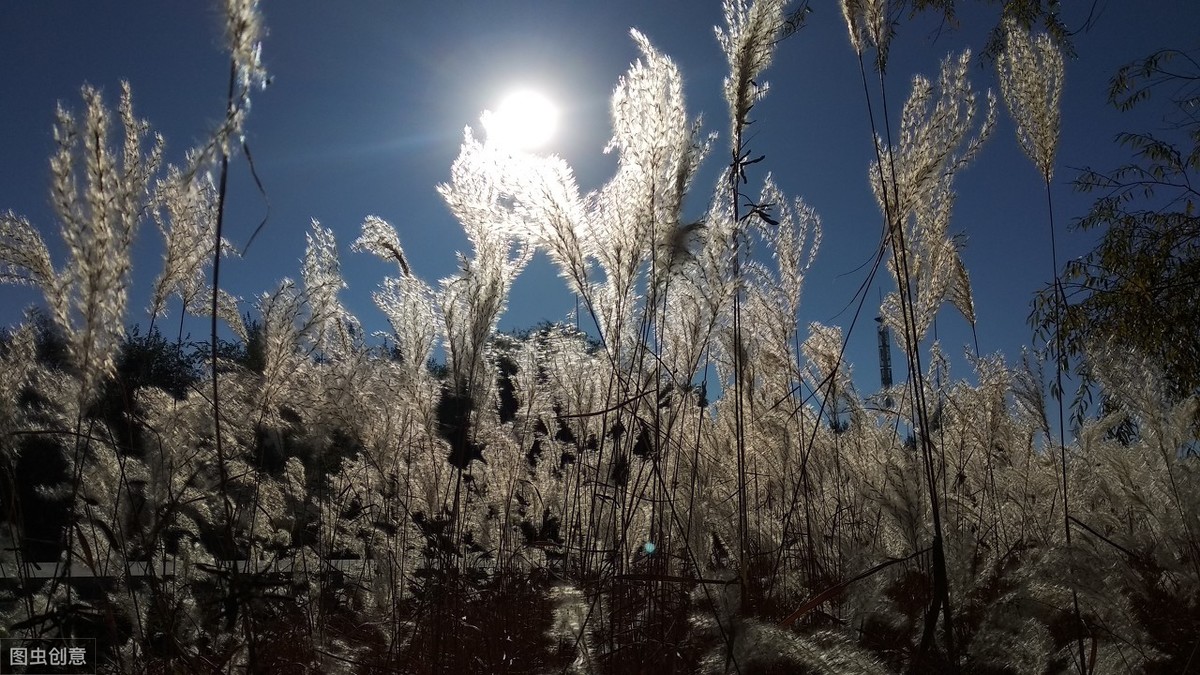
{"points": [[525, 120]]}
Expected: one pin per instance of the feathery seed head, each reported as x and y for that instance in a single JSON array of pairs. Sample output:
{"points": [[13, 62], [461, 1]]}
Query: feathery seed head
{"points": [[244, 31], [379, 237], [934, 138], [88, 299], [24, 258], [1031, 78], [322, 274], [868, 25], [823, 349], [935, 143], [748, 40], [851, 13], [186, 215]]}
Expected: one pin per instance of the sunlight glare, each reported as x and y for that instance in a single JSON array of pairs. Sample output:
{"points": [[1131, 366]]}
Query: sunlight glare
{"points": [[525, 120]]}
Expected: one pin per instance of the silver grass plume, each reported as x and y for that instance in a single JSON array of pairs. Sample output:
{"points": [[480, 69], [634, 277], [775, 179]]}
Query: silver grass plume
{"points": [[88, 298], [473, 300], [935, 266], [379, 237], [407, 302], [794, 237], [935, 143], [562, 226], [829, 371], [1031, 78], [791, 232], [186, 216], [24, 258], [244, 31], [748, 40], [869, 26], [322, 275], [280, 311], [659, 154], [17, 363], [659, 151], [228, 310], [544, 208], [99, 234], [685, 337]]}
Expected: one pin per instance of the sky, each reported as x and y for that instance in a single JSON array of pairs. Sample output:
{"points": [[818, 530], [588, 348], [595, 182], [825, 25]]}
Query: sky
{"points": [[368, 101]]}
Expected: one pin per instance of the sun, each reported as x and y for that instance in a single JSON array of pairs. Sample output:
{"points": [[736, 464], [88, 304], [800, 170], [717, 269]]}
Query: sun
{"points": [[524, 120]]}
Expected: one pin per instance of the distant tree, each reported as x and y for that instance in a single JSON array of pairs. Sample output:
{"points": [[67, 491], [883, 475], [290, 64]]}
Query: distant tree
{"points": [[249, 353], [1139, 288], [53, 348], [1027, 13]]}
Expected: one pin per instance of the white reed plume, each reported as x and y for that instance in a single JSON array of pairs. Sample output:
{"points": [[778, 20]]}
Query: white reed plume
{"points": [[322, 274], [244, 30], [407, 301], [87, 299], [868, 24], [473, 300], [748, 40], [380, 238], [935, 143], [1031, 79], [186, 216], [934, 137]]}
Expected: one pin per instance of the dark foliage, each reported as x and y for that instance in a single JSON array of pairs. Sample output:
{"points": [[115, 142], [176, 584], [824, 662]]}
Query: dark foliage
{"points": [[1139, 289], [454, 426]]}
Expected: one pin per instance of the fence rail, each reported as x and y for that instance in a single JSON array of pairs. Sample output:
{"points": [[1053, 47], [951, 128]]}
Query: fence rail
{"points": [[165, 569]]}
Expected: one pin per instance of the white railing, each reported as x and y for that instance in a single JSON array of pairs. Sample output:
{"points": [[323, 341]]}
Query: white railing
{"points": [[78, 570]]}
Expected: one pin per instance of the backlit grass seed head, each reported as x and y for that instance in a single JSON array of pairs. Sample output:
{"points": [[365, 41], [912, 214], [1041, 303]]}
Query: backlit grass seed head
{"points": [[17, 362], [408, 302], [472, 301], [186, 216], [380, 238], [228, 310], [282, 313], [87, 300], [322, 274], [823, 351], [1031, 78], [935, 143], [852, 14], [794, 238], [935, 139], [647, 106], [244, 29], [558, 212], [659, 152], [748, 40], [868, 25], [24, 258], [935, 266], [409, 306]]}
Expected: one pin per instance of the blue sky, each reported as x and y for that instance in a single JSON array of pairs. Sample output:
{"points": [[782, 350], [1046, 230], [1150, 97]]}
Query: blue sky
{"points": [[369, 99]]}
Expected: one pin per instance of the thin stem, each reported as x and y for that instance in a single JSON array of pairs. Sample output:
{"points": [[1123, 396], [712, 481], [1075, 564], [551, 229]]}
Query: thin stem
{"points": [[1059, 300], [216, 288], [941, 583]]}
